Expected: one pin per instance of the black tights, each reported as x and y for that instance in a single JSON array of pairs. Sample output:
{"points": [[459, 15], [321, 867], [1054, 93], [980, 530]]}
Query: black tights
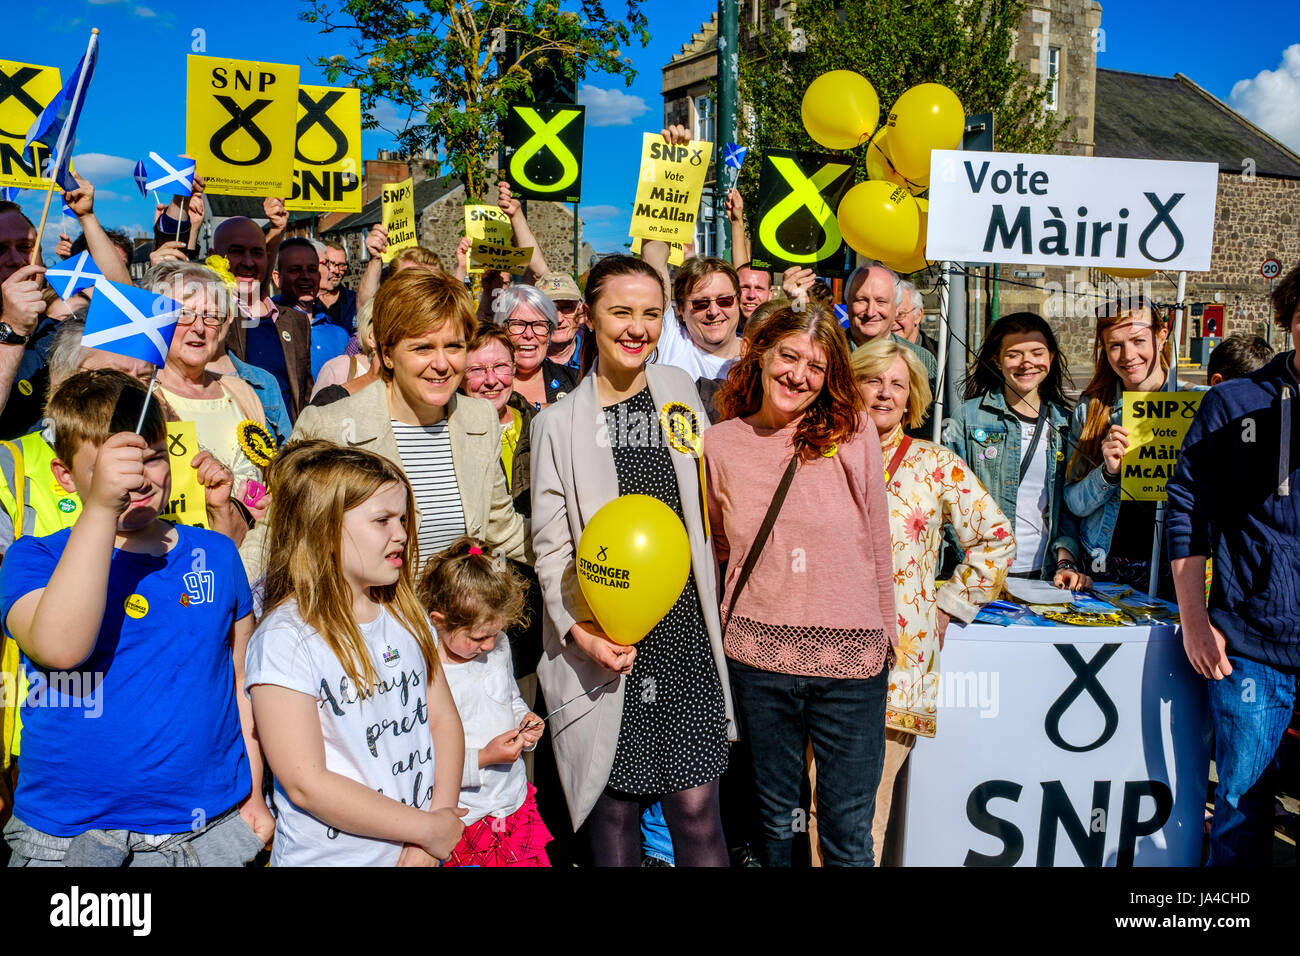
{"points": [[694, 822]]}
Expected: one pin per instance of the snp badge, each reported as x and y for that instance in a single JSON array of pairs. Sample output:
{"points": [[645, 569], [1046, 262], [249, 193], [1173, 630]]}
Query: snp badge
{"points": [[681, 427]]}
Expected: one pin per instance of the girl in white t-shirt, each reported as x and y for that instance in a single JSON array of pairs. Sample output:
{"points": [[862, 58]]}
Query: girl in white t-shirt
{"points": [[349, 699], [472, 598]]}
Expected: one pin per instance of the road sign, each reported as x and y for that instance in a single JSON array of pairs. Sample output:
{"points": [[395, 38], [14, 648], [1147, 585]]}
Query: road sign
{"points": [[1270, 268]]}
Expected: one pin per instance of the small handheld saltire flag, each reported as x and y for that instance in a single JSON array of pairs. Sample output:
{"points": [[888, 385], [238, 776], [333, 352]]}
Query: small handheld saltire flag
{"points": [[842, 315], [128, 321], [734, 156], [9, 193], [159, 171], [73, 274], [56, 127]]}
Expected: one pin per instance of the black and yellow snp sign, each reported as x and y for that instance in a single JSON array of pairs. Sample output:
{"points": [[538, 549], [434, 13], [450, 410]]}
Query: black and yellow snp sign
{"points": [[798, 195], [25, 90], [544, 142], [327, 156], [240, 125]]}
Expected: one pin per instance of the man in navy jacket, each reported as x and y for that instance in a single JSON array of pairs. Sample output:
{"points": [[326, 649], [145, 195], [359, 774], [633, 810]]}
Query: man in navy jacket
{"points": [[1232, 498]]}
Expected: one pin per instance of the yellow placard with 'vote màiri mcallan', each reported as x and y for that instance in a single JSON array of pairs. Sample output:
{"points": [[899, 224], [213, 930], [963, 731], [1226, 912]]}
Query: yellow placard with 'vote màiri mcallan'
{"points": [[1157, 423], [669, 188], [399, 217]]}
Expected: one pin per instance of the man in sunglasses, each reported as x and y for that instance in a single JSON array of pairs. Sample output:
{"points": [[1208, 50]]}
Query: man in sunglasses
{"points": [[700, 329], [337, 303]]}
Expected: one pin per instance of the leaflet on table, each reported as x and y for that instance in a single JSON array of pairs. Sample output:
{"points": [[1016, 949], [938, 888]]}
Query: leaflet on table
{"points": [[1141, 607]]}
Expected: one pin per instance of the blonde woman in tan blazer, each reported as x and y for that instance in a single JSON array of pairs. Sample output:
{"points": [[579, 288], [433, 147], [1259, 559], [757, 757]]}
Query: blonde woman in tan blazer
{"points": [[448, 445], [651, 721]]}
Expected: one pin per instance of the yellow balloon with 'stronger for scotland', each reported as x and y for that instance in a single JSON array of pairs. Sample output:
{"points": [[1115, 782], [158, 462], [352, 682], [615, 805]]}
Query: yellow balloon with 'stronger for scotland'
{"points": [[881, 220], [633, 560]]}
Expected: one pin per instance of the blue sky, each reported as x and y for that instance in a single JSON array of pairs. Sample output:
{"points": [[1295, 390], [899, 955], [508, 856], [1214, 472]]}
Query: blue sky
{"points": [[137, 100]]}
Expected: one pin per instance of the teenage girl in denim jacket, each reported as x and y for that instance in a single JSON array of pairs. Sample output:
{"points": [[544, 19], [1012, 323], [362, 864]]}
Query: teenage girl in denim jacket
{"points": [[1011, 430]]}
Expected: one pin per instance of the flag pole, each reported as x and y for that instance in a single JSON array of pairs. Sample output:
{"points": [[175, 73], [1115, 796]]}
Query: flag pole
{"points": [[62, 143], [147, 395]]}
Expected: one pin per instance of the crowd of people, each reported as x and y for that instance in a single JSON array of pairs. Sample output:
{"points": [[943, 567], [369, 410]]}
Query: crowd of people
{"points": [[375, 649]]}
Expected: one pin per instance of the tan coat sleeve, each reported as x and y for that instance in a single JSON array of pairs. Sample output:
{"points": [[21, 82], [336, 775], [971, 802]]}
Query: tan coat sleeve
{"points": [[553, 541]]}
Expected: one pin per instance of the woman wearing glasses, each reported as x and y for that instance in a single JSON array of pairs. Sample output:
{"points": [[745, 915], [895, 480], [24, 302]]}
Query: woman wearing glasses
{"points": [[490, 375], [528, 316], [217, 404]]}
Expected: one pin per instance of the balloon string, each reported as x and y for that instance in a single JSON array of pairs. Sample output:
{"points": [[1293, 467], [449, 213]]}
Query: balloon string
{"points": [[871, 139], [532, 724]]}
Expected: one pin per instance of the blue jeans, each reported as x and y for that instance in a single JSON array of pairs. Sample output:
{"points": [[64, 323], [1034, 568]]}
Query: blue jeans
{"points": [[1251, 708], [845, 720]]}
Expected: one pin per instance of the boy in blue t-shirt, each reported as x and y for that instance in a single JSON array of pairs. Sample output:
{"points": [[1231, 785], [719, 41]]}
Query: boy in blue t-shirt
{"points": [[136, 748]]}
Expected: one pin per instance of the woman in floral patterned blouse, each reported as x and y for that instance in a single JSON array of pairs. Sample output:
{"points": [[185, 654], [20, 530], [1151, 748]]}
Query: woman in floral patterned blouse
{"points": [[926, 486]]}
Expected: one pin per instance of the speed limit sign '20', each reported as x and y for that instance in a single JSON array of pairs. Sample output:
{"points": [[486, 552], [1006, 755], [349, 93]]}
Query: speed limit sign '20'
{"points": [[1270, 268]]}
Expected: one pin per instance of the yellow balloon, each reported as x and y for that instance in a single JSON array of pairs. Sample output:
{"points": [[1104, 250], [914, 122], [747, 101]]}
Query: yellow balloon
{"points": [[881, 220], [924, 118], [633, 561], [916, 261], [880, 165], [840, 109], [1129, 273]]}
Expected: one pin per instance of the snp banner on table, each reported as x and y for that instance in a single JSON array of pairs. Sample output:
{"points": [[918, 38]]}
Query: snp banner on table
{"points": [[798, 194], [25, 90], [669, 188], [1071, 210], [327, 153], [1064, 746], [544, 143], [240, 125]]}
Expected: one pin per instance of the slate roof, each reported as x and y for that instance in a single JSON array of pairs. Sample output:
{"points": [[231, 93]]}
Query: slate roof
{"points": [[1157, 117]]}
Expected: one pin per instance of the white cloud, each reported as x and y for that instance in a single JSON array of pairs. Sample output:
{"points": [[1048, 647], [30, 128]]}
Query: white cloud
{"points": [[1269, 100], [103, 3], [388, 116], [101, 167], [593, 213], [610, 107], [144, 12]]}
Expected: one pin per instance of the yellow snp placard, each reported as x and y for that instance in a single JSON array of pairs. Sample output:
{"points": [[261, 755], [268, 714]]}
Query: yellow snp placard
{"points": [[399, 217], [491, 256], [1157, 423], [187, 504], [676, 251], [669, 188], [488, 222], [240, 125], [25, 90], [327, 156]]}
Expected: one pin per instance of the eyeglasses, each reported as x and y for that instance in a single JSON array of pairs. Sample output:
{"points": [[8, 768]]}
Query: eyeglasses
{"points": [[702, 305], [335, 266], [213, 320], [519, 327], [566, 305], [501, 371]]}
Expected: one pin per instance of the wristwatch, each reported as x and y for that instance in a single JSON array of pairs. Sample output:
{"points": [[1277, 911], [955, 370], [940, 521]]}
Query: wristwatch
{"points": [[9, 337]]}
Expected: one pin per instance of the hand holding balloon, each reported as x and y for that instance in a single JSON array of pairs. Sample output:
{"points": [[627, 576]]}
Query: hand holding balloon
{"points": [[596, 645]]}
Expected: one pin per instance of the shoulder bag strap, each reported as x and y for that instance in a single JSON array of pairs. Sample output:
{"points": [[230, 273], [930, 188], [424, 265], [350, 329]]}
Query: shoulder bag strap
{"points": [[899, 455], [1033, 444], [765, 529]]}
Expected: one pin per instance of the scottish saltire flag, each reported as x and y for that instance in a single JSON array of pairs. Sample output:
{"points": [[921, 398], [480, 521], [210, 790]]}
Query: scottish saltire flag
{"points": [[734, 156], [842, 315], [159, 171], [56, 127], [73, 274], [128, 321], [9, 194]]}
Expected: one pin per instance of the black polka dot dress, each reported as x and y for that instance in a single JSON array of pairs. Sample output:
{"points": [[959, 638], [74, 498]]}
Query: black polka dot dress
{"points": [[673, 732]]}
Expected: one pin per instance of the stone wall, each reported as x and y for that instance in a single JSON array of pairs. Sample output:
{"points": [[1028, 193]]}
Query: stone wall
{"points": [[1070, 25]]}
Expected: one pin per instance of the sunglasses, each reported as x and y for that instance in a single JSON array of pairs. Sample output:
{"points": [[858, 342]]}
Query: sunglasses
{"points": [[702, 305]]}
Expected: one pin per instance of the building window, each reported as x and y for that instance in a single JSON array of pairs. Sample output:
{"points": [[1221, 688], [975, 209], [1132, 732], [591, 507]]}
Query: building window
{"points": [[704, 118], [1053, 75]]}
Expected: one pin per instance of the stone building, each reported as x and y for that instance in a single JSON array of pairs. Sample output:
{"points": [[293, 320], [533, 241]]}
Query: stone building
{"points": [[1112, 113]]}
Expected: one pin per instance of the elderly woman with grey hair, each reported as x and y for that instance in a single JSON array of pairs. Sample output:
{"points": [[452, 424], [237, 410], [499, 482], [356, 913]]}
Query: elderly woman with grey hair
{"points": [[528, 316], [221, 406]]}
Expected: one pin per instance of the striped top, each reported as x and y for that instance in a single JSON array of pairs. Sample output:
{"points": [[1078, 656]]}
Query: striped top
{"points": [[427, 461]]}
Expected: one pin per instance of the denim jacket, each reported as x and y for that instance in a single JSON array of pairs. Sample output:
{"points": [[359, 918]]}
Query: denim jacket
{"points": [[1093, 499], [984, 426], [268, 393]]}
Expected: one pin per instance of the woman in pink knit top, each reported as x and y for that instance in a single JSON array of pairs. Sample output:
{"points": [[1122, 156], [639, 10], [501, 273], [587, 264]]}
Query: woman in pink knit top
{"points": [[812, 628]]}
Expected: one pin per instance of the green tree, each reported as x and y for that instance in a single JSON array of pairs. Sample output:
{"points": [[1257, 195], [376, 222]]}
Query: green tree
{"points": [[966, 46], [444, 63]]}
